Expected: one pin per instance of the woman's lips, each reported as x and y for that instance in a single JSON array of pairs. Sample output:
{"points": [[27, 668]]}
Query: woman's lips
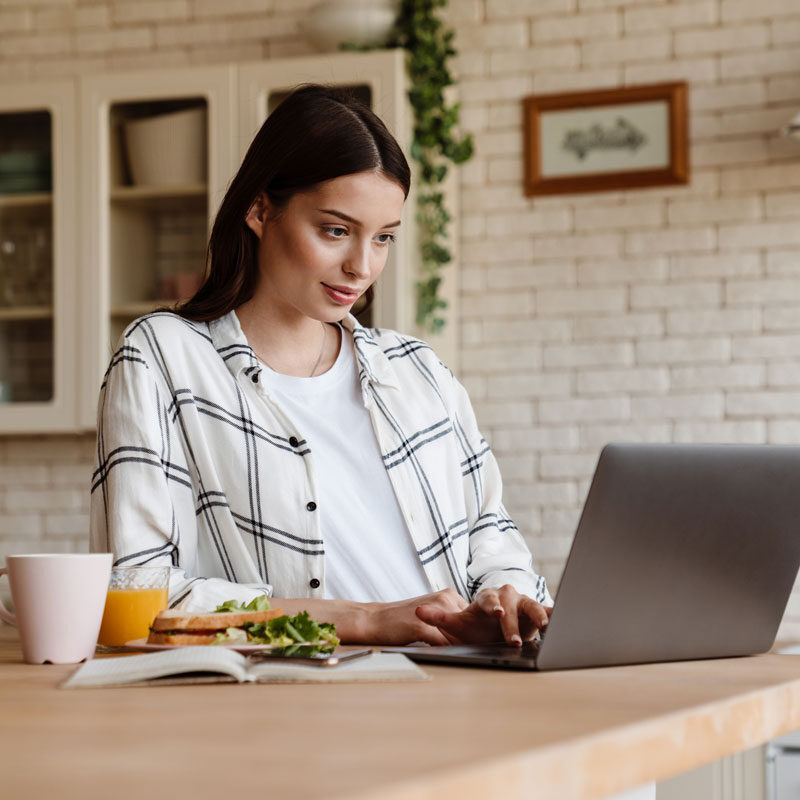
{"points": [[341, 294]]}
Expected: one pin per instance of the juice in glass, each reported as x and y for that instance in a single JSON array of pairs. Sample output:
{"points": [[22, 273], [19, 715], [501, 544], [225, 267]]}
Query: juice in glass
{"points": [[135, 596], [129, 613]]}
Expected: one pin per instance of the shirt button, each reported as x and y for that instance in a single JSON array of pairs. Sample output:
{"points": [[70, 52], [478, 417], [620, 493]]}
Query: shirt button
{"points": [[312, 506], [254, 377], [314, 583], [293, 441]]}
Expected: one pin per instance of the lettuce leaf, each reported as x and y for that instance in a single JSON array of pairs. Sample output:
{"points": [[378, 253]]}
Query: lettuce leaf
{"points": [[289, 632], [299, 635], [259, 603]]}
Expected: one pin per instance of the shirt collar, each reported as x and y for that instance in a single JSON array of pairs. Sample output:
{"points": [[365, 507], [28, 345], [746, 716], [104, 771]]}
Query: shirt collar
{"points": [[373, 364], [231, 344]]}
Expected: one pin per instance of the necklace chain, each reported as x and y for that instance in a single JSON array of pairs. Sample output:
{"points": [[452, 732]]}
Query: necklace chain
{"points": [[319, 357]]}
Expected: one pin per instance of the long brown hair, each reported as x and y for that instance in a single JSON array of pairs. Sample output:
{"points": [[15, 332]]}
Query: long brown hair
{"points": [[316, 134]]}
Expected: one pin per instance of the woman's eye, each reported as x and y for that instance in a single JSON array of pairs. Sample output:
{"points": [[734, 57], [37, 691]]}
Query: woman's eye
{"points": [[336, 231], [385, 238]]}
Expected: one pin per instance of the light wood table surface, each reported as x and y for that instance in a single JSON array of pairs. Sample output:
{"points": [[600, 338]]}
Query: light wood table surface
{"points": [[466, 733]]}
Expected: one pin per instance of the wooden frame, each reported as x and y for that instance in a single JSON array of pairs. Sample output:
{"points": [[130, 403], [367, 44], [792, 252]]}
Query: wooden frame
{"points": [[59, 413], [579, 142]]}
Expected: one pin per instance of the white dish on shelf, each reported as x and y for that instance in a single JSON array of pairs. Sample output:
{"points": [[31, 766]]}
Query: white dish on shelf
{"points": [[168, 149]]}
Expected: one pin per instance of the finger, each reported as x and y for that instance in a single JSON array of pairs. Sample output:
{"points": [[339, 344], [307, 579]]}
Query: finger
{"points": [[509, 624], [534, 611], [530, 619], [449, 638], [432, 615], [488, 601], [433, 636], [510, 599]]}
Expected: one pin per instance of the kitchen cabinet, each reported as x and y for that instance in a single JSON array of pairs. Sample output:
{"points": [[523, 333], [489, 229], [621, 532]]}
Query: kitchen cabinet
{"points": [[736, 777], [783, 766], [38, 294], [115, 239], [144, 226]]}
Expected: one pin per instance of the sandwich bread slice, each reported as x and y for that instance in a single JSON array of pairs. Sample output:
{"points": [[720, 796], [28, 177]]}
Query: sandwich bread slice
{"points": [[179, 628]]}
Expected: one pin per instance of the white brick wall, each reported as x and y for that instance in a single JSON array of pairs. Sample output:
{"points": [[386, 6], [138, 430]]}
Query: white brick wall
{"points": [[668, 314], [679, 305], [44, 497]]}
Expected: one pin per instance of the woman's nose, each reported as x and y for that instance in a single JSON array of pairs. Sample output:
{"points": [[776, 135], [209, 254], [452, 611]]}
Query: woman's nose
{"points": [[358, 261]]}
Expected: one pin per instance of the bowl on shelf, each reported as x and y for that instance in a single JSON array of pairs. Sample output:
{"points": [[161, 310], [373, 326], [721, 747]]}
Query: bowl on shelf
{"points": [[25, 171], [167, 149]]}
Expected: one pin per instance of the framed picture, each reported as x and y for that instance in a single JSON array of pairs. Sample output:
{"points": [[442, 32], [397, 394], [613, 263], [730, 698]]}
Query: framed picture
{"points": [[604, 140]]}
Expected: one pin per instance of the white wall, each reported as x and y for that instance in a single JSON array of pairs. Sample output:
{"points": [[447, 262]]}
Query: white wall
{"points": [[653, 315], [658, 315]]}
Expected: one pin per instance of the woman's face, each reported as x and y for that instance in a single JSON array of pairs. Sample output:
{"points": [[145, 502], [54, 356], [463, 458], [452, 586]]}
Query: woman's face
{"points": [[321, 252]]}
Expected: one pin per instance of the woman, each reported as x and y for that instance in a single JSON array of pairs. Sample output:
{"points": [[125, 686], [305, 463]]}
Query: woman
{"points": [[260, 440]]}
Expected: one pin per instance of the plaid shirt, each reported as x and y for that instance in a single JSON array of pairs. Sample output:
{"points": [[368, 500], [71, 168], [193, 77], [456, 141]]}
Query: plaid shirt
{"points": [[200, 468]]}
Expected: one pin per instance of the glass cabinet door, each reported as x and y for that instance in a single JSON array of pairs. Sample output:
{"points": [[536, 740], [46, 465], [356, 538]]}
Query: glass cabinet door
{"points": [[158, 158], [158, 205], [26, 257], [37, 280]]}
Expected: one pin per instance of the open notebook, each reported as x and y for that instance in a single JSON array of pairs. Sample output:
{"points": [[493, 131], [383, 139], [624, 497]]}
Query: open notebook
{"points": [[218, 665]]}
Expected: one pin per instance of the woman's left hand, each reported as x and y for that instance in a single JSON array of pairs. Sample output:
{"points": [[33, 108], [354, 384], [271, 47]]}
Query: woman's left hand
{"points": [[495, 615]]}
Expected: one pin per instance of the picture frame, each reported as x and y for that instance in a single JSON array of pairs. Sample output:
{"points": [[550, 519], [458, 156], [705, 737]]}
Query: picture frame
{"points": [[605, 140]]}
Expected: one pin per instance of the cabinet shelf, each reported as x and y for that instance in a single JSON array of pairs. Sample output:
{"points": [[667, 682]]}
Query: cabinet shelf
{"points": [[22, 313], [26, 200], [158, 197]]}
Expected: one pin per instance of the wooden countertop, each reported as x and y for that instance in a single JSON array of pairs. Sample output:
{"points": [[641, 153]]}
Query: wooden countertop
{"points": [[467, 733]]}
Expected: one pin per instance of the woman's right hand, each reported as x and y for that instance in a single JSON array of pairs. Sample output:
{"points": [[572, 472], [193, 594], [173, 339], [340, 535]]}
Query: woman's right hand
{"points": [[377, 623], [398, 623]]}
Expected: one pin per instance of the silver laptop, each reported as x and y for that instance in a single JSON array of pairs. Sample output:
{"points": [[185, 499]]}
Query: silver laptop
{"points": [[681, 552]]}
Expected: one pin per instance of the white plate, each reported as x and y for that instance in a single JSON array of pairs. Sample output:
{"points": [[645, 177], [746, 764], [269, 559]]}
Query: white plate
{"points": [[142, 644]]}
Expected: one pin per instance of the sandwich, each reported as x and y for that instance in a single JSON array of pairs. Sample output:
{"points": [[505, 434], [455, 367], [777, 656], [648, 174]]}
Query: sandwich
{"points": [[179, 628], [234, 624]]}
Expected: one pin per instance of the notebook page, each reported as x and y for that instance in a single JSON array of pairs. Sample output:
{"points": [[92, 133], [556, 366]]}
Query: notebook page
{"points": [[135, 669], [374, 668]]}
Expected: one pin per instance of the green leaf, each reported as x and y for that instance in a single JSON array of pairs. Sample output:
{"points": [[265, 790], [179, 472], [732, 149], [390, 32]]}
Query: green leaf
{"points": [[420, 30], [283, 631], [227, 606], [259, 603]]}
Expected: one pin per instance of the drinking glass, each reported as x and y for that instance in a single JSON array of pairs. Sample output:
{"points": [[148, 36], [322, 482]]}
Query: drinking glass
{"points": [[135, 596]]}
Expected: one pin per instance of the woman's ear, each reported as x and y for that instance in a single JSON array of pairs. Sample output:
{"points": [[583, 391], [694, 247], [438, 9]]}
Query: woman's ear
{"points": [[256, 216]]}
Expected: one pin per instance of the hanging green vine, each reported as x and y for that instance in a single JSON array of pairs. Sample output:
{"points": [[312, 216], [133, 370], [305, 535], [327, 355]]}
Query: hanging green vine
{"points": [[422, 33]]}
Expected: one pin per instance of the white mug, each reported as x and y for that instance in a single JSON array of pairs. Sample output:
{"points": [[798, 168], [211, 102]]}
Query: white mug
{"points": [[59, 601]]}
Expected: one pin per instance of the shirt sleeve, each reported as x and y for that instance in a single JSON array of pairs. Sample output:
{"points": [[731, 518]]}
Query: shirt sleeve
{"points": [[498, 553], [142, 498]]}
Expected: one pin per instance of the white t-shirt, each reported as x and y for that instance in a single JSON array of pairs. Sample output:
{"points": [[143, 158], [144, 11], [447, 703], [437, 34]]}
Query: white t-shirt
{"points": [[369, 555]]}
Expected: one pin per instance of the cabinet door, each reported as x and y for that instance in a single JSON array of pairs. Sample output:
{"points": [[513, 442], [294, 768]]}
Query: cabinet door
{"points": [[38, 198], [157, 155], [787, 776], [379, 78]]}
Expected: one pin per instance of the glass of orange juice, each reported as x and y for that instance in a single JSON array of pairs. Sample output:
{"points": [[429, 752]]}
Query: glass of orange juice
{"points": [[135, 596]]}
